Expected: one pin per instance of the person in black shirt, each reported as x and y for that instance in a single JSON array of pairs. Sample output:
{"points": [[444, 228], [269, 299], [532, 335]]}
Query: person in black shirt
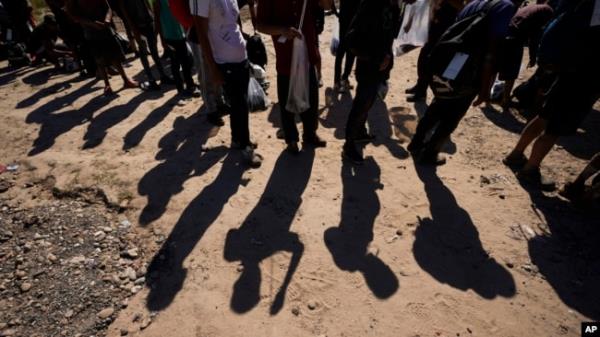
{"points": [[371, 35]]}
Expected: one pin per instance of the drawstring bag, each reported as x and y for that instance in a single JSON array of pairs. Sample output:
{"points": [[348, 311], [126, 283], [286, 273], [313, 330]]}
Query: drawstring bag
{"points": [[299, 92], [335, 39]]}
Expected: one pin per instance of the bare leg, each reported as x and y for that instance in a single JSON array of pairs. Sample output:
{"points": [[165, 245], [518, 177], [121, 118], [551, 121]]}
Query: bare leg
{"points": [[127, 82], [530, 133], [540, 150], [104, 74]]}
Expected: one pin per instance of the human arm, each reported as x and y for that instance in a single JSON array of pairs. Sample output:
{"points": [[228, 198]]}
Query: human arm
{"points": [[201, 27]]}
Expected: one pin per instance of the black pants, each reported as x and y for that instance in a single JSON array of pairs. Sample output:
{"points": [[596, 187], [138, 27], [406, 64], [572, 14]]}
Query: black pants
{"points": [[446, 114], [181, 63], [309, 118], [237, 77], [368, 78], [147, 41], [339, 59]]}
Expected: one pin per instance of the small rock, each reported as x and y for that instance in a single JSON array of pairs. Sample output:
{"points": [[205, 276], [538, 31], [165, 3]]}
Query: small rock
{"points": [[124, 225], [20, 273], [145, 323], [51, 257], [399, 232], [77, 259], [296, 311], [135, 289], [132, 253], [99, 236], [26, 286], [107, 229], [137, 317], [140, 281], [124, 332], [510, 265], [240, 268], [130, 274], [106, 313], [312, 305], [69, 313]]}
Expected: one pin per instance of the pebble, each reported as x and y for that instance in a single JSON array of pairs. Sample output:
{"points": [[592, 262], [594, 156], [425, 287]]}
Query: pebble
{"points": [[106, 313], [399, 232], [130, 274], [26, 286], [312, 305], [69, 313], [140, 281], [136, 289], [77, 259], [145, 323], [510, 265], [7, 333], [296, 311], [124, 332], [20, 273], [99, 236], [132, 253], [51, 257]]}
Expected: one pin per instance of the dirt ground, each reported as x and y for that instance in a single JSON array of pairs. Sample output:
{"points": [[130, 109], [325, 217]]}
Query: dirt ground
{"points": [[309, 245]]}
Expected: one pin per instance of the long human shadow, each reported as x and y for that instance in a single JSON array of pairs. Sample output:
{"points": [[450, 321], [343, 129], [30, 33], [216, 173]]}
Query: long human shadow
{"points": [[99, 125], [447, 245], [135, 136], [166, 270], [50, 90], [8, 75], [266, 231], [184, 156], [569, 255], [53, 125], [349, 242], [583, 145]]}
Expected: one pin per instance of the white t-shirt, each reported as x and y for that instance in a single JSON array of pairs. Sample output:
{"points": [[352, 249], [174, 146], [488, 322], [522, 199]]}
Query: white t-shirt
{"points": [[228, 44]]}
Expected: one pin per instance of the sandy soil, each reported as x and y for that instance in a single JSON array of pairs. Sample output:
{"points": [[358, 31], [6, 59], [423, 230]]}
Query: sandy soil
{"points": [[308, 245]]}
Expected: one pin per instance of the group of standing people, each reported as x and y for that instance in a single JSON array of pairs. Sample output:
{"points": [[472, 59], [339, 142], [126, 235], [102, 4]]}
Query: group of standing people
{"points": [[212, 31]]}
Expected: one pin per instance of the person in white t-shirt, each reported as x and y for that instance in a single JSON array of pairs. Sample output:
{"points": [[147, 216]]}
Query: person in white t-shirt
{"points": [[224, 51]]}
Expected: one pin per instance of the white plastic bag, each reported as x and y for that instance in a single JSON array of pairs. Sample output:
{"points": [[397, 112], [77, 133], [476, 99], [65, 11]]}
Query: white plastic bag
{"points": [[335, 38], [497, 91], [415, 27], [299, 92], [257, 98]]}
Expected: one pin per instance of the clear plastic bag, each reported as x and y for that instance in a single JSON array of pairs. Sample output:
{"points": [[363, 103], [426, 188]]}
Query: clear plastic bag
{"points": [[257, 98], [415, 27], [335, 38]]}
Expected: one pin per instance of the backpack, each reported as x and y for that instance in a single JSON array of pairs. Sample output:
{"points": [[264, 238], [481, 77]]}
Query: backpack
{"points": [[17, 55], [257, 52], [457, 59], [181, 11]]}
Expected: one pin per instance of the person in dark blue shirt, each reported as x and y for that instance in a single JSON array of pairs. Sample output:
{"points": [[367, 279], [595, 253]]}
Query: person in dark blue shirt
{"points": [[443, 115]]}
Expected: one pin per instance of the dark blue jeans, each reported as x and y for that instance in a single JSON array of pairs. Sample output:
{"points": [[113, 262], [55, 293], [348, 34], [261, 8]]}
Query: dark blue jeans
{"points": [[237, 77]]}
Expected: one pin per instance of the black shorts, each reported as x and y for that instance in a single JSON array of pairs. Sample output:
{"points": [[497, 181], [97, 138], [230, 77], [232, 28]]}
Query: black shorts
{"points": [[511, 58], [567, 104]]}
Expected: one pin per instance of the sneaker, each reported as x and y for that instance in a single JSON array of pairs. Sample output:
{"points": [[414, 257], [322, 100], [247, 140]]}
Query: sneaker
{"points": [[293, 148], [412, 90], [150, 86], [351, 154], [414, 148], [364, 138], [253, 159], [238, 146], [416, 97], [432, 159], [215, 119], [573, 192], [192, 92], [166, 80], [515, 160], [314, 141], [535, 178]]}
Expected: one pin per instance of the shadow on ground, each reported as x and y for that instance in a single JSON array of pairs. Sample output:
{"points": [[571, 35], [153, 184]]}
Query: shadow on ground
{"points": [[266, 231], [448, 247], [349, 242]]}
